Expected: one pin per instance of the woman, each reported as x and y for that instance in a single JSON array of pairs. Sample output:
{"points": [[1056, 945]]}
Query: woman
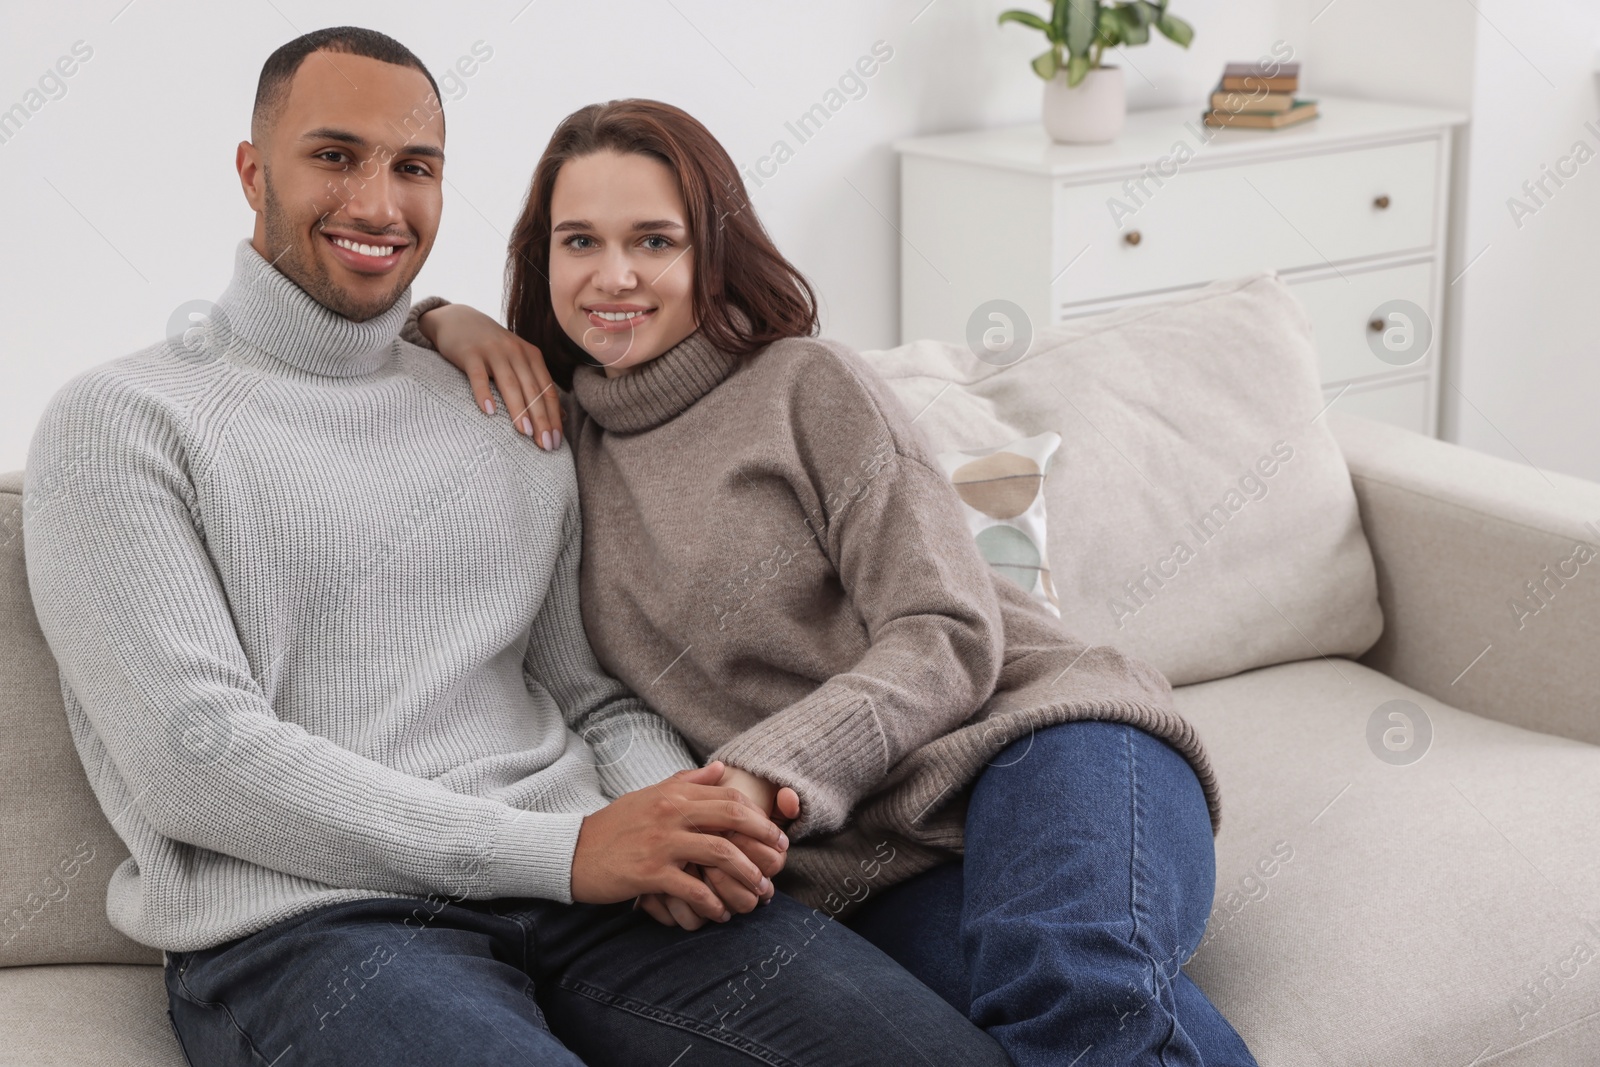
{"points": [[774, 560]]}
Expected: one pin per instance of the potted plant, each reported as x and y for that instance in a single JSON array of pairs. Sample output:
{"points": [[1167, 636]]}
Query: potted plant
{"points": [[1085, 102]]}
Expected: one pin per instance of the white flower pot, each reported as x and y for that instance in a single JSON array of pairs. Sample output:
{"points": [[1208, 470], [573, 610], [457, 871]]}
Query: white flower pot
{"points": [[1090, 112]]}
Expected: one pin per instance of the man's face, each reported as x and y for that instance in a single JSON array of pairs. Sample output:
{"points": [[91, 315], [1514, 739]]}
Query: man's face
{"points": [[346, 181]]}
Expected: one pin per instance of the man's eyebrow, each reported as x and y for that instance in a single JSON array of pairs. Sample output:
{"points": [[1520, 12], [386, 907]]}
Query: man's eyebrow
{"points": [[329, 133], [644, 224]]}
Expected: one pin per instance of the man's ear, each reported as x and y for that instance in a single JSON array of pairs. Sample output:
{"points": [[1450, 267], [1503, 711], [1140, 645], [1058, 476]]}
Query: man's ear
{"points": [[252, 175]]}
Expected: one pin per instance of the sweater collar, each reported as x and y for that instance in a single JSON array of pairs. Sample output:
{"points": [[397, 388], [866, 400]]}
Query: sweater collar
{"points": [[262, 307], [654, 392]]}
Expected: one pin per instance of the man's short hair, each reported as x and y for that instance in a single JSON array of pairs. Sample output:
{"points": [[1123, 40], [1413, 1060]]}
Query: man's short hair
{"points": [[279, 69]]}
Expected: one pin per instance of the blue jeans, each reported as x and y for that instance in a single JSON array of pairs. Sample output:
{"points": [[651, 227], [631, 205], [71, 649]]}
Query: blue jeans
{"points": [[532, 982], [1087, 880]]}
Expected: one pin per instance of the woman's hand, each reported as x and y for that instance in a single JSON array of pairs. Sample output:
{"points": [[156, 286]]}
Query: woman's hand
{"points": [[782, 805], [484, 350]]}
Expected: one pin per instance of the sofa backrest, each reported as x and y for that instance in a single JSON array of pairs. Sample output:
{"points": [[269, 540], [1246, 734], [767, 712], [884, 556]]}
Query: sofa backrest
{"points": [[57, 850], [1199, 512]]}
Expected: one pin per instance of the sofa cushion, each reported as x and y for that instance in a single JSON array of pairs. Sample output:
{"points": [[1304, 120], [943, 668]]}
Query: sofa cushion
{"points": [[58, 849], [1371, 910], [86, 1016], [1201, 515], [1002, 493]]}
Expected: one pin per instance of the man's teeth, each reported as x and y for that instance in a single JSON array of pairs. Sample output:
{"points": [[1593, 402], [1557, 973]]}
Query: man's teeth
{"points": [[617, 316], [375, 251]]}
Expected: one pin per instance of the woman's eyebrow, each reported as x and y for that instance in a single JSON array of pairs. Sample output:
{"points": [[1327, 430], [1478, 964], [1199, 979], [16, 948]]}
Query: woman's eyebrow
{"points": [[646, 224]]}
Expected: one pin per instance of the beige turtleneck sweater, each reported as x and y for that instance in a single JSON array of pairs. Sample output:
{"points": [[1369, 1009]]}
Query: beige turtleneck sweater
{"points": [[774, 561]]}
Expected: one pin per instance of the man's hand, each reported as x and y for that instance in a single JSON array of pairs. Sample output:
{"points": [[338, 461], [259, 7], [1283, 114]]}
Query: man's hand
{"points": [[782, 805], [641, 842]]}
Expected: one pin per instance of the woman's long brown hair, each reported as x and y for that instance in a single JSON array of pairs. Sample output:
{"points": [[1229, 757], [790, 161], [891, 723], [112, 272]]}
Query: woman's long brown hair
{"points": [[736, 265]]}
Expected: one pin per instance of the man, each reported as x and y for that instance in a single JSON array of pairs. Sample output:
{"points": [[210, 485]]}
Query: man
{"points": [[321, 653]]}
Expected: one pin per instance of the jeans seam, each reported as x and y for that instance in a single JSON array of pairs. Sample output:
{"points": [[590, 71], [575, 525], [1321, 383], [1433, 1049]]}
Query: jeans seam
{"points": [[172, 1021], [214, 1005], [1133, 835], [1133, 878], [658, 1014]]}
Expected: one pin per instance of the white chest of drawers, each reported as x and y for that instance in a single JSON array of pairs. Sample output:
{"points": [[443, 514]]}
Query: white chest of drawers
{"points": [[1350, 209]]}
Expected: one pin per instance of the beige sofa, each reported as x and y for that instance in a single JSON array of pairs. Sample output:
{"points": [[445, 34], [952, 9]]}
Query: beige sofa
{"points": [[1372, 907]]}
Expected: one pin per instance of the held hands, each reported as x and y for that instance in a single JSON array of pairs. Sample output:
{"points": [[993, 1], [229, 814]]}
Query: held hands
{"points": [[483, 349], [642, 842], [781, 805]]}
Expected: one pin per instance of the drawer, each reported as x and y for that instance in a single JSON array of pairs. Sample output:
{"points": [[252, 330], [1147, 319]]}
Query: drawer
{"points": [[1341, 311], [1404, 404], [1222, 221]]}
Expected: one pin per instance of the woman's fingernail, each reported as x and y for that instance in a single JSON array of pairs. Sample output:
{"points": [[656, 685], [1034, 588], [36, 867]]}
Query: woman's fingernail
{"points": [[783, 839], [544, 439], [557, 435], [527, 425], [488, 406], [765, 884]]}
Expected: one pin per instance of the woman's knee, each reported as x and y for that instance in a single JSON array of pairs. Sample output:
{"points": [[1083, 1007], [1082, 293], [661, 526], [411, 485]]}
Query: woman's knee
{"points": [[1081, 799], [1091, 760]]}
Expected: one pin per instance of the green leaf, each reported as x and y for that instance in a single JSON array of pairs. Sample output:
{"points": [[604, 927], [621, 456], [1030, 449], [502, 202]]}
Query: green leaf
{"points": [[1147, 12], [1109, 32], [1044, 64], [1083, 18], [1027, 18], [1134, 31], [1179, 31], [1077, 67]]}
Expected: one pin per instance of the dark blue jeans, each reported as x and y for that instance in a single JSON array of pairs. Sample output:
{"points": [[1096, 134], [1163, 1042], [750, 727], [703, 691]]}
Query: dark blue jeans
{"points": [[1088, 876], [531, 982]]}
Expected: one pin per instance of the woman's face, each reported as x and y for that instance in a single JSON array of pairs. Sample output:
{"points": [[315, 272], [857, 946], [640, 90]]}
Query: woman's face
{"points": [[621, 267]]}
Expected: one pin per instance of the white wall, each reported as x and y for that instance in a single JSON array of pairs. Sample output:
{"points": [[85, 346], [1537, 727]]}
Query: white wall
{"points": [[1520, 374], [120, 200], [1527, 368]]}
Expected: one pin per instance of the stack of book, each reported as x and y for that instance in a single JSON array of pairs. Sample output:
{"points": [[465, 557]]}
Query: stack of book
{"points": [[1261, 97]]}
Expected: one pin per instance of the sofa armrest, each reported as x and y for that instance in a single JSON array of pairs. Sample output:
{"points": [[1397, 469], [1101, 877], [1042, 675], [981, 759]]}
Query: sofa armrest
{"points": [[1489, 577]]}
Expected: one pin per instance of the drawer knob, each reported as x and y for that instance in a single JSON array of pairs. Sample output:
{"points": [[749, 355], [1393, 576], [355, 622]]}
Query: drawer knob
{"points": [[1377, 325], [1381, 202], [1132, 237]]}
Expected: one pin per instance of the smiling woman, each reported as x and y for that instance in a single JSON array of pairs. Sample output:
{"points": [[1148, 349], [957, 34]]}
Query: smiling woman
{"points": [[618, 201], [602, 251], [880, 668]]}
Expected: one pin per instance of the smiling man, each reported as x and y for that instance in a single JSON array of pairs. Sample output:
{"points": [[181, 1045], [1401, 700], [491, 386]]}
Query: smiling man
{"points": [[347, 196], [321, 653]]}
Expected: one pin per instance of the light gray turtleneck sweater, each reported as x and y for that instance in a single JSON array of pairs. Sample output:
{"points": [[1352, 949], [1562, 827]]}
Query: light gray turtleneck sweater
{"points": [[317, 621]]}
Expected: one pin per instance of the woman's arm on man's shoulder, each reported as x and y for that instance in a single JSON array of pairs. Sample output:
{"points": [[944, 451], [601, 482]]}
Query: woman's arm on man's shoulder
{"points": [[486, 352]]}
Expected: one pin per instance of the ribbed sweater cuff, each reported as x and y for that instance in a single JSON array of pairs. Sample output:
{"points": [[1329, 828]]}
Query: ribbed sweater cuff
{"points": [[411, 331], [532, 855], [828, 747], [636, 752]]}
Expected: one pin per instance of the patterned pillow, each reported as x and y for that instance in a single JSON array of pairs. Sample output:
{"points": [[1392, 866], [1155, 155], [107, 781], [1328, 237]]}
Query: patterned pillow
{"points": [[1003, 490]]}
